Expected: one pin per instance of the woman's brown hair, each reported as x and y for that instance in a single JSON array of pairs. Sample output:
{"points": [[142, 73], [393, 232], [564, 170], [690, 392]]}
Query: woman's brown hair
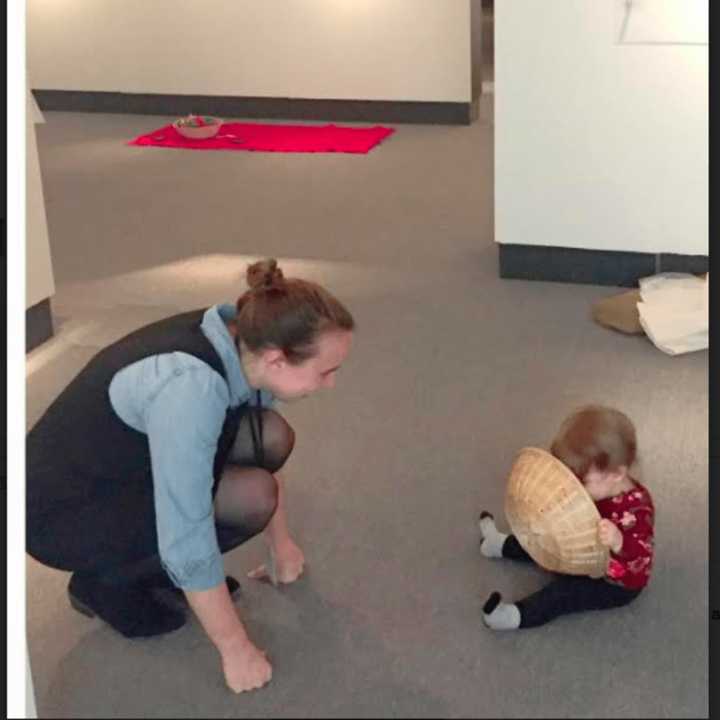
{"points": [[595, 435], [286, 313]]}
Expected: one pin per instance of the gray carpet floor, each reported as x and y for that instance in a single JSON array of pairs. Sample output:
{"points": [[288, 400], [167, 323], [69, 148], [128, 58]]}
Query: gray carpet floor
{"points": [[452, 372]]}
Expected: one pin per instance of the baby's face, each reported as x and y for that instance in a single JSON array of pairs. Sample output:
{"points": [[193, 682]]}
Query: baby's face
{"points": [[603, 484]]}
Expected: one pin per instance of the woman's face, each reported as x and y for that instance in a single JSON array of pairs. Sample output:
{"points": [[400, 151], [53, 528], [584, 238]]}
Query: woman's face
{"points": [[288, 382]]}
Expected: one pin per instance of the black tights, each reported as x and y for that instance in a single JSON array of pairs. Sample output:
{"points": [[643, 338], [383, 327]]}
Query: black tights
{"points": [[246, 495], [565, 594]]}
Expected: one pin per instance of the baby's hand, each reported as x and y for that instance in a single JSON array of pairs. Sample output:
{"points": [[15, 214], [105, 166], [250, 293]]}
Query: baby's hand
{"points": [[610, 536]]}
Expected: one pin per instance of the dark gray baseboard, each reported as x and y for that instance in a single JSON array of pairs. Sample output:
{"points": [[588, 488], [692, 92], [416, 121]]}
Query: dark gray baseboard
{"points": [[592, 267], [695, 264], [38, 325], [439, 113]]}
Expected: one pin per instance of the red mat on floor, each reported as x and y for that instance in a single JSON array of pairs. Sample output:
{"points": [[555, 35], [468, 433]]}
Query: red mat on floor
{"points": [[273, 138]]}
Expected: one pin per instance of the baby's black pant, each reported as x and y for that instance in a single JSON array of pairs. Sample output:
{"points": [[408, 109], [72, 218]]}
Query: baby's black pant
{"points": [[565, 594]]}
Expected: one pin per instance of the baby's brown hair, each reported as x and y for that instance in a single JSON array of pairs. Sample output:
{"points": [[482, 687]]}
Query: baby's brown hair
{"points": [[595, 434]]}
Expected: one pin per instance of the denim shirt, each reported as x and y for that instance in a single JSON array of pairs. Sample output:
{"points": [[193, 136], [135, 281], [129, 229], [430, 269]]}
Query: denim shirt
{"points": [[180, 403]]}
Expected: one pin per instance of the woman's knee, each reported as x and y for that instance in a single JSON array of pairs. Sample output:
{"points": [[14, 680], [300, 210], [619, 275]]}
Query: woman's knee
{"points": [[246, 497], [278, 440]]}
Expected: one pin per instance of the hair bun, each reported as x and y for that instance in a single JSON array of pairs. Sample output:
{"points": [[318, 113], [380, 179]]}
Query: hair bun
{"points": [[264, 274]]}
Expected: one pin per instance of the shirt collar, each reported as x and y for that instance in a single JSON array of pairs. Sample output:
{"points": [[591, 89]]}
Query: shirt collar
{"points": [[216, 331]]}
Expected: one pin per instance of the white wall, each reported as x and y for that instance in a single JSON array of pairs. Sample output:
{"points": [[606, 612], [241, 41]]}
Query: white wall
{"points": [[320, 49], [597, 145], [40, 282]]}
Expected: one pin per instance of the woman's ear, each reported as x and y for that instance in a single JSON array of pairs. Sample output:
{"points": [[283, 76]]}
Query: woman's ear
{"points": [[274, 358]]}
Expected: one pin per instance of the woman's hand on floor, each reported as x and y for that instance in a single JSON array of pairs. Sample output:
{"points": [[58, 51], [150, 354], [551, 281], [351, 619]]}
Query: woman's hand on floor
{"points": [[287, 563], [245, 667]]}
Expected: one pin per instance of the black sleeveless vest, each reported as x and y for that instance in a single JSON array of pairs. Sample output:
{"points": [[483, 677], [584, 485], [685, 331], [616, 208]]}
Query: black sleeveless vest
{"points": [[80, 449]]}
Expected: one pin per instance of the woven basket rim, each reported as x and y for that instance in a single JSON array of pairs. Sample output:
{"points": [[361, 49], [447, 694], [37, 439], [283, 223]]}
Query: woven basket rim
{"points": [[568, 475], [532, 450]]}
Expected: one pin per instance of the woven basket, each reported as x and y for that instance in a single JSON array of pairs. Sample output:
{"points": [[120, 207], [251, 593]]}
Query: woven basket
{"points": [[552, 515]]}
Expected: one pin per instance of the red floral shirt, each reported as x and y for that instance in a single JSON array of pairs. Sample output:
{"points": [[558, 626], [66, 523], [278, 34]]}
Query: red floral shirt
{"points": [[633, 514]]}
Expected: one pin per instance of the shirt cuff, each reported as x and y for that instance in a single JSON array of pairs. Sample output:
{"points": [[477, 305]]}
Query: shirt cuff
{"points": [[198, 575]]}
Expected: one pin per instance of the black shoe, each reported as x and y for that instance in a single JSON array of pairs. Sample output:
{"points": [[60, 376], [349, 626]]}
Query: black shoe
{"points": [[131, 610], [163, 582], [233, 587]]}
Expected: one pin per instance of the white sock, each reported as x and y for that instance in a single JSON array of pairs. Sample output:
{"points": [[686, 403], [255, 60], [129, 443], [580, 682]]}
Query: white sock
{"points": [[493, 540], [498, 615]]}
